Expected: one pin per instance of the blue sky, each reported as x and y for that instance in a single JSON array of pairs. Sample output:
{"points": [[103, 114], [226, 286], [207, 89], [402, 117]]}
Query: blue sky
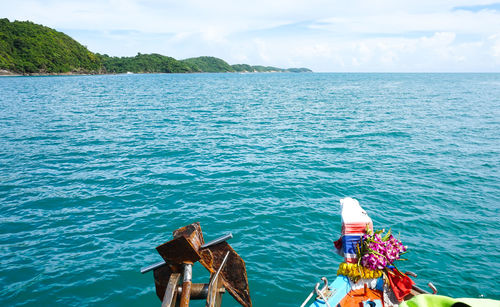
{"points": [[336, 36]]}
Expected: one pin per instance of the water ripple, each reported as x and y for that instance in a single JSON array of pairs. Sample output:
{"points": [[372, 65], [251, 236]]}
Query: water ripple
{"points": [[98, 170]]}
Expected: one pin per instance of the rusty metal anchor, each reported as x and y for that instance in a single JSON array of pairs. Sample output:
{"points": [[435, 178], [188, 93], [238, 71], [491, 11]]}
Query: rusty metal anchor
{"points": [[227, 269]]}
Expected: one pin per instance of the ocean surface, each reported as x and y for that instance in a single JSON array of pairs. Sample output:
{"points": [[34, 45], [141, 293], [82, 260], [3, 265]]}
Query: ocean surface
{"points": [[96, 171]]}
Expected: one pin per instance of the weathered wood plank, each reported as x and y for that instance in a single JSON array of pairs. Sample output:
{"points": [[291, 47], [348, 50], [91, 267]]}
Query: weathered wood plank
{"points": [[170, 297]]}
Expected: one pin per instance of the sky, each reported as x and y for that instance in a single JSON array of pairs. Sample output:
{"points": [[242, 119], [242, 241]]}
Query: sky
{"points": [[325, 36]]}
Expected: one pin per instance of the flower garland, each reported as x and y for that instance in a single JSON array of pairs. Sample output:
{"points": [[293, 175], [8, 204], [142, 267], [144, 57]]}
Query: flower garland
{"points": [[355, 271]]}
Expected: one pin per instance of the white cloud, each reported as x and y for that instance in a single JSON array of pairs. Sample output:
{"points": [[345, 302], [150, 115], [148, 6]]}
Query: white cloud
{"points": [[494, 42], [325, 35], [403, 22]]}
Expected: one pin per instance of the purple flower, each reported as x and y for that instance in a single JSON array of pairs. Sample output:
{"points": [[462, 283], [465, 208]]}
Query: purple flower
{"points": [[377, 253]]}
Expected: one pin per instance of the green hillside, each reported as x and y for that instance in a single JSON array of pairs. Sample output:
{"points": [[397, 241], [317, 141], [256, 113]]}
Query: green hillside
{"points": [[208, 64], [259, 68], [26, 47], [242, 68], [302, 69], [144, 63], [255, 68]]}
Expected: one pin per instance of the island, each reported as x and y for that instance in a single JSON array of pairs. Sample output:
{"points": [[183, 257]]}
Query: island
{"points": [[27, 48]]}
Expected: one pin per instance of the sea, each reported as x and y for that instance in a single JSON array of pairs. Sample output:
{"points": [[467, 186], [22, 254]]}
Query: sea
{"points": [[96, 171]]}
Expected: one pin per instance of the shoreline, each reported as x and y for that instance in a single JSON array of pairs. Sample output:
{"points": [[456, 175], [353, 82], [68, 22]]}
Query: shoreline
{"points": [[6, 73]]}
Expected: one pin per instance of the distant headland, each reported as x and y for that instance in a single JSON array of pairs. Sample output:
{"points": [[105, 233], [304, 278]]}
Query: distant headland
{"points": [[27, 48]]}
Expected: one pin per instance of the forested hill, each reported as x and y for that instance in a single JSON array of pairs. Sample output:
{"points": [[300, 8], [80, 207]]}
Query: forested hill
{"points": [[26, 47], [29, 48]]}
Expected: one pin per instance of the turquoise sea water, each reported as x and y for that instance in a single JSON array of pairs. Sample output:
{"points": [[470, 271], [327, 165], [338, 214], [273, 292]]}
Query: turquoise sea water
{"points": [[95, 171]]}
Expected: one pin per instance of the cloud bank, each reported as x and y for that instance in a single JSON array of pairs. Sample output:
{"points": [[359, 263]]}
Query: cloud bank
{"points": [[385, 36]]}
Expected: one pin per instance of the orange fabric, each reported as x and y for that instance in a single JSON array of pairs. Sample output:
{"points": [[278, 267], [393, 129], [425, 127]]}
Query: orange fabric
{"points": [[355, 298]]}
